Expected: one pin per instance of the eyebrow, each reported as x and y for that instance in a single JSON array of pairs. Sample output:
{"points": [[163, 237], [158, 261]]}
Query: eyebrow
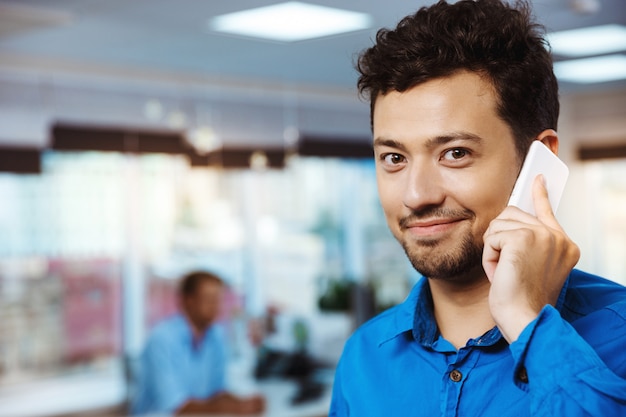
{"points": [[390, 143], [432, 142]]}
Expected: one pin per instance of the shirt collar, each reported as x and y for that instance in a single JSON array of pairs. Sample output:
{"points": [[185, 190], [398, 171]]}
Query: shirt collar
{"points": [[415, 314], [425, 328], [188, 334], [402, 314]]}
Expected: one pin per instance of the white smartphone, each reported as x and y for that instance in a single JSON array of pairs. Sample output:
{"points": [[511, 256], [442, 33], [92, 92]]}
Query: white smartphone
{"points": [[539, 160]]}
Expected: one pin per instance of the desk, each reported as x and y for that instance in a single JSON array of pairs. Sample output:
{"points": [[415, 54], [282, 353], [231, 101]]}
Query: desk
{"points": [[278, 394]]}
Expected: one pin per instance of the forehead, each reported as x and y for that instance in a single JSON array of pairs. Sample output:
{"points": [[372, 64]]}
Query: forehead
{"points": [[463, 102], [208, 287]]}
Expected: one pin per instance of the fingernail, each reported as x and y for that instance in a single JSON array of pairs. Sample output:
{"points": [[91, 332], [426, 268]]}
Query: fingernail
{"points": [[543, 180]]}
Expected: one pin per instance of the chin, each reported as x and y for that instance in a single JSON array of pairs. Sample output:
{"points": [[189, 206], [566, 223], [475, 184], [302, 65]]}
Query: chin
{"points": [[456, 263]]}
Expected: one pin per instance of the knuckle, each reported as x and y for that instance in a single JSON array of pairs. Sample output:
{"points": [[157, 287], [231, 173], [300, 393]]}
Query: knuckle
{"points": [[528, 235], [574, 252]]}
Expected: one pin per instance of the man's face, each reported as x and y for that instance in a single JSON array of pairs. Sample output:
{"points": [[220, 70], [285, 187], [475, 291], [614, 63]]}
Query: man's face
{"points": [[203, 307], [446, 165]]}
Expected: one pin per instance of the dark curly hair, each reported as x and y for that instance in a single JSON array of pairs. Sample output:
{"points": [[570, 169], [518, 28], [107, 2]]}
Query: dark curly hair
{"points": [[489, 37]]}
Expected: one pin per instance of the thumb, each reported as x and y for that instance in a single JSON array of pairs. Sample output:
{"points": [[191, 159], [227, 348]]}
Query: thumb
{"points": [[541, 202]]}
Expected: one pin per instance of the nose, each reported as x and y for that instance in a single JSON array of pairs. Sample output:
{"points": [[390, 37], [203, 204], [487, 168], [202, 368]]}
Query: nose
{"points": [[423, 186]]}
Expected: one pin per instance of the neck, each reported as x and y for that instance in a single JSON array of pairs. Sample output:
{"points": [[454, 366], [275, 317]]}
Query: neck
{"points": [[461, 309], [198, 329]]}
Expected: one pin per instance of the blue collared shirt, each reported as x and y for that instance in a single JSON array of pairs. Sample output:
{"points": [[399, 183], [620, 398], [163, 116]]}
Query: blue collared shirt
{"points": [[173, 370], [570, 361]]}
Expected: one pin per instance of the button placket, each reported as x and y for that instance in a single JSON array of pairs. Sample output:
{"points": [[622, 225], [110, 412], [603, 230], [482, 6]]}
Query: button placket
{"points": [[522, 375], [456, 375], [458, 370]]}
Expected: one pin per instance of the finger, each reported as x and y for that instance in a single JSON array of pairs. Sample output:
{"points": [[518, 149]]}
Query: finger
{"points": [[541, 202], [517, 214], [490, 261], [521, 220], [493, 244], [512, 218]]}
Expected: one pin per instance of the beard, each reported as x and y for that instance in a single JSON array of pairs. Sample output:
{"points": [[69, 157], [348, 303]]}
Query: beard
{"points": [[445, 263]]}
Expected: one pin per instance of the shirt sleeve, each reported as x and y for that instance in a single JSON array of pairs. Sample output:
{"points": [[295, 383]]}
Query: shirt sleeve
{"points": [[564, 374], [222, 354], [167, 392], [338, 405]]}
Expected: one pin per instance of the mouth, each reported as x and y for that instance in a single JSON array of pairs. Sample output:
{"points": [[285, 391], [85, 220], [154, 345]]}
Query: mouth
{"points": [[431, 227]]}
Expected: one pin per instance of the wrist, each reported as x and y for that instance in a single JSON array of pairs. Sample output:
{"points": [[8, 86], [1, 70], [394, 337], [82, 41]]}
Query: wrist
{"points": [[512, 323]]}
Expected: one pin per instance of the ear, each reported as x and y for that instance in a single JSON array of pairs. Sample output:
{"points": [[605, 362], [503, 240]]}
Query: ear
{"points": [[550, 138]]}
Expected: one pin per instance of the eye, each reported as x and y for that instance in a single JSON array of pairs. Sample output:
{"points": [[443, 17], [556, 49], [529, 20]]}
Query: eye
{"points": [[392, 158], [391, 161], [455, 154]]}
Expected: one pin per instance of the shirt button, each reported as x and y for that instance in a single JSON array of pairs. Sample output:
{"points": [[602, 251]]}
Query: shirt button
{"points": [[522, 375], [456, 375]]}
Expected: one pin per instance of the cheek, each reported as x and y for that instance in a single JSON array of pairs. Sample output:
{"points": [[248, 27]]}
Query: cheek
{"points": [[486, 195], [390, 198]]}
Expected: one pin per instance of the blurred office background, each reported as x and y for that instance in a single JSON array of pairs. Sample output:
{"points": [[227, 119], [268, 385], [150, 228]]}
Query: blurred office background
{"points": [[138, 141]]}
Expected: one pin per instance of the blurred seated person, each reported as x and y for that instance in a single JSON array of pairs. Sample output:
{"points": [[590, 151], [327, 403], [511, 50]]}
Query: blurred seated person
{"points": [[183, 363]]}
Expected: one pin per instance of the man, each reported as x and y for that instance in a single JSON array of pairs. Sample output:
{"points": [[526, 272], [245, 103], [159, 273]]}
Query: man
{"points": [[183, 365], [500, 324]]}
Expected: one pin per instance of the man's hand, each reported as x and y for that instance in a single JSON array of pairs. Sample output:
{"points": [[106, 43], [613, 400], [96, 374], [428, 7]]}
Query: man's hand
{"points": [[527, 260], [224, 404], [230, 404]]}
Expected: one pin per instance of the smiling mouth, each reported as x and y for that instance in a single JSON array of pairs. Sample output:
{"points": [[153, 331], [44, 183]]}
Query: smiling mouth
{"points": [[434, 222], [431, 227], [430, 223]]}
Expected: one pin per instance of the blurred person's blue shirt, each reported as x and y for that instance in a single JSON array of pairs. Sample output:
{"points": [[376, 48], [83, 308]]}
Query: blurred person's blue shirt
{"points": [[570, 361], [173, 369]]}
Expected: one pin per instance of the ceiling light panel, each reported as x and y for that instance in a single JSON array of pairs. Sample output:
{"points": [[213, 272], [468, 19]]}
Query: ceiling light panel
{"points": [[594, 40], [290, 22], [592, 70]]}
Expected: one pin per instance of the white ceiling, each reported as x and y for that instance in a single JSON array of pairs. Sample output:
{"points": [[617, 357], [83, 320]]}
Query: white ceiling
{"points": [[101, 61], [171, 36]]}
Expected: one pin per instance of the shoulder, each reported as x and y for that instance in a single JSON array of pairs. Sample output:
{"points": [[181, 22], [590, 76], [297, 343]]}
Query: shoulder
{"points": [[391, 323], [588, 292], [170, 329], [215, 335], [596, 308]]}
